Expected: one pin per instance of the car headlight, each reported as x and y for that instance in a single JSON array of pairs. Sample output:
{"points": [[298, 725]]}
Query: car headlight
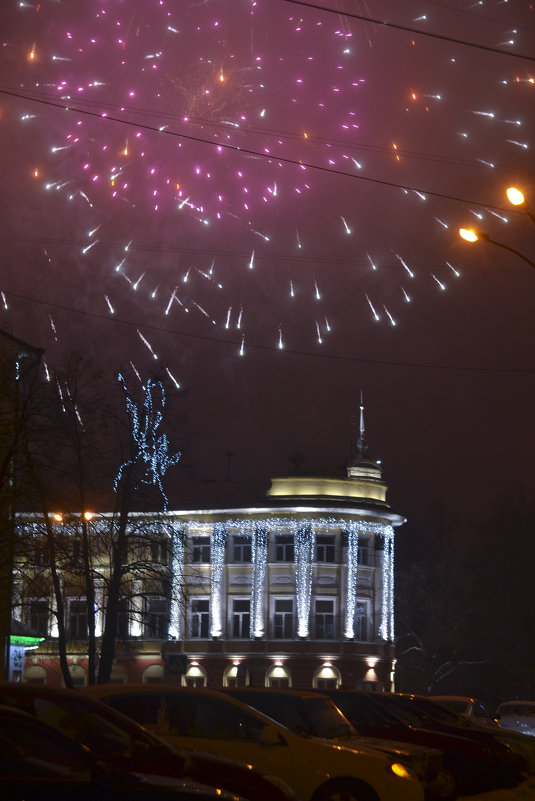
{"points": [[398, 769]]}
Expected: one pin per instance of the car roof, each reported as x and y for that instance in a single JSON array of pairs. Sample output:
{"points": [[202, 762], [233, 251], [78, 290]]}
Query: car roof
{"points": [[106, 690], [516, 703], [289, 692], [468, 699]]}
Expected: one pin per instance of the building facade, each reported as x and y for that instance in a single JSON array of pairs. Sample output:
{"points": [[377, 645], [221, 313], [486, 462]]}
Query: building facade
{"points": [[297, 591]]}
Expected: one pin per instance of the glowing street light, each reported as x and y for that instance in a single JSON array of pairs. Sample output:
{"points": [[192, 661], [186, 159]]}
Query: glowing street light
{"points": [[516, 197], [469, 235]]}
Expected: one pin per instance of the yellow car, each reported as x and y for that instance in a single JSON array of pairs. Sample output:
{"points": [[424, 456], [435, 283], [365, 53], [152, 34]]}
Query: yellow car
{"points": [[317, 770]]}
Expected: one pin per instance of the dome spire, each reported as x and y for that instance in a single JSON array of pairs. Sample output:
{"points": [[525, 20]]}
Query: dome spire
{"points": [[362, 466], [362, 445]]}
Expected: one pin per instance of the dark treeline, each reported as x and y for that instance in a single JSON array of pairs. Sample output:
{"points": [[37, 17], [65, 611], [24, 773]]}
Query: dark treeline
{"points": [[465, 600]]}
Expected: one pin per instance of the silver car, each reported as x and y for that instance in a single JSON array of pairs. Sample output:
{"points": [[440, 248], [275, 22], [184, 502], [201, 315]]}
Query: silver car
{"points": [[517, 716]]}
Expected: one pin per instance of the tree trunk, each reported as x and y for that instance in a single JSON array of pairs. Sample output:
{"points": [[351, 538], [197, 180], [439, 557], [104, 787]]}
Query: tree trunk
{"points": [[119, 553]]}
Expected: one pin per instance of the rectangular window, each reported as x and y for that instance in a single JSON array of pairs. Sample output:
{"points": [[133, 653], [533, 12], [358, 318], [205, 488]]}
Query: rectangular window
{"points": [[158, 552], [200, 550], [365, 554], [123, 619], [241, 549], [326, 684], [241, 618], [325, 549], [284, 549], [362, 622], [77, 618], [324, 619], [38, 616], [283, 619], [40, 556], [200, 618], [156, 618]]}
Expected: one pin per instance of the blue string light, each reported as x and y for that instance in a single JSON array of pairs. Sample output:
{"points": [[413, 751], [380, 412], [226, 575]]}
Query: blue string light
{"points": [[152, 448]]}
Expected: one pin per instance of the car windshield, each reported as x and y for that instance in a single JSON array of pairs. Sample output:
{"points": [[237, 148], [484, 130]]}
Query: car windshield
{"points": [[453, 704], [407, 711], [310, 716], [517, 709], [367, 716], [436, 711], [93, 725]]}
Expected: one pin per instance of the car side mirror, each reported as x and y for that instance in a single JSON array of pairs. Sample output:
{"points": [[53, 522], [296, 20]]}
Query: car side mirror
{"points": [[270, 736]]}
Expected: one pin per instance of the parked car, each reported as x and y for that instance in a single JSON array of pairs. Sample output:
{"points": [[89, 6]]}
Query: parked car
{"points": [[512, 750], [517, 716], [316, 715], [127, 747], [509, 764], [470, 763], [316, 769], [472, 709], [39, 763]]}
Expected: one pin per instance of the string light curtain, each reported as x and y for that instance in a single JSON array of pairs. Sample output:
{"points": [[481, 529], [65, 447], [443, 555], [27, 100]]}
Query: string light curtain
{"points": [[386, 629], [259, 558], [217, 560], [304, 541], [178, 536]]}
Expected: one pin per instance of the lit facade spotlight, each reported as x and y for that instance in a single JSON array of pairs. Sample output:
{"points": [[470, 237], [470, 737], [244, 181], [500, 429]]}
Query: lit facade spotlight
{"points": [[88, 515], [515, 196], [57, 517]]}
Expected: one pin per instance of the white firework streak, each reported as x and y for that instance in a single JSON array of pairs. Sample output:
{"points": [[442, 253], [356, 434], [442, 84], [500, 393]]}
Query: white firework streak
{"points": [[146, 343]]}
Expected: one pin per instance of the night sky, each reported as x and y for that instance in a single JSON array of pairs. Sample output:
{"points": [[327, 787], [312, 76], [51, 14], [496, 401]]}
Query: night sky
{"points": [[266, 198]]}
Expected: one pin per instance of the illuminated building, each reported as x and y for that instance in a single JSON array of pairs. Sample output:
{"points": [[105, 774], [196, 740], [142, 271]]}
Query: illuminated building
{"points": [[295, 591]]}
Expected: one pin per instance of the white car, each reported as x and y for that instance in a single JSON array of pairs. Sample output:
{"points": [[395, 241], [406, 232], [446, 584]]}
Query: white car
{"points": [[317, 770], [517, 716]]}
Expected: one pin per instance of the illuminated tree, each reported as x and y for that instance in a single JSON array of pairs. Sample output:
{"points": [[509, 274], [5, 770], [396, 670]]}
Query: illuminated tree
{"points": [[100, 559], [146, 462]]}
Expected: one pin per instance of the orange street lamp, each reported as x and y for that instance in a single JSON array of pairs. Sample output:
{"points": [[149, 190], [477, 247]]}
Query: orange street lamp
{"points": [[469, 235], [516, 197]]}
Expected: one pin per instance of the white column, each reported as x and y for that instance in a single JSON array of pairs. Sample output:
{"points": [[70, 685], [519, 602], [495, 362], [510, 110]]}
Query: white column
{"points": [[386, 630], [136, 609], [54, 631], [99, 611], [259, 558], [304, 539], [217, 560], [177, 583], [351, 578]]}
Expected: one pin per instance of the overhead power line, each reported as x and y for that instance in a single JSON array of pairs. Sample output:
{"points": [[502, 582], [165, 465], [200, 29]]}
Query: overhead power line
{"points": [[248, 151], [406, 28], [272, 349]]}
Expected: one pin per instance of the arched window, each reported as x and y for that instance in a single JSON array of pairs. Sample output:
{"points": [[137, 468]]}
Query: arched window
{"points": [[278, 676], [195, 676], [35, 674], [153, 674], [235, 675], [78, 676], [327, 677]]}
